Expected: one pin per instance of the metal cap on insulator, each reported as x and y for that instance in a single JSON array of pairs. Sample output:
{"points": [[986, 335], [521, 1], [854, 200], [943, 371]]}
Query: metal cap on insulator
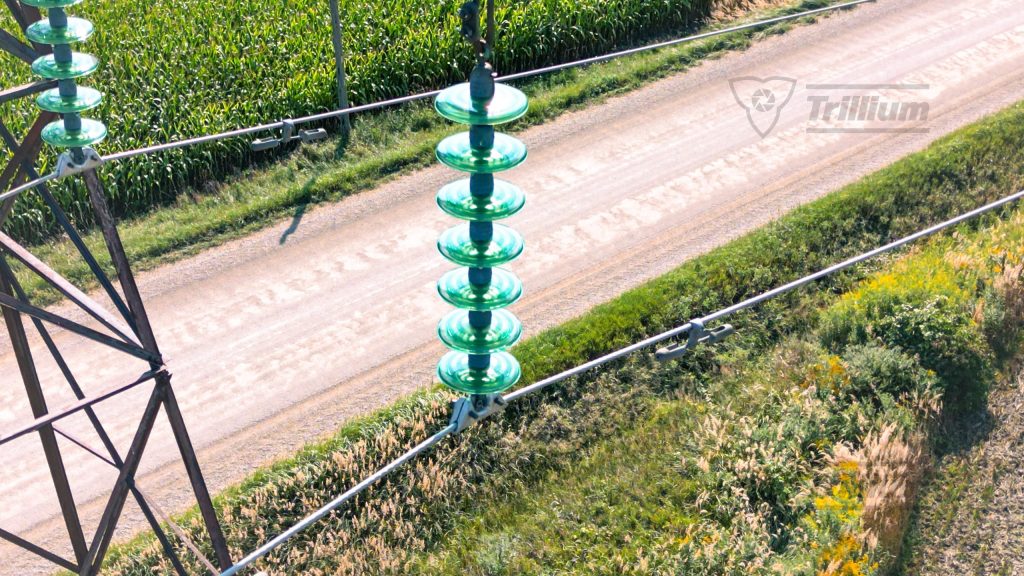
{"points": [[481, 137], [481, 82], [481, 276], [479, 361], [480, 318], [481, 231], [481, 184]]}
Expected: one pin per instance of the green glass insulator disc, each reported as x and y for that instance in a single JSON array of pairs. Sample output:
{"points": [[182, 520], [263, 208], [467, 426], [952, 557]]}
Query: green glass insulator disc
{"points": [[80, 65], [92, 132], [51, 3], [85, 99], [502, 374], [457, 200], [458, 334], [503, 290], [77, 30], [507, 153], [455, 104], [455, 245]]}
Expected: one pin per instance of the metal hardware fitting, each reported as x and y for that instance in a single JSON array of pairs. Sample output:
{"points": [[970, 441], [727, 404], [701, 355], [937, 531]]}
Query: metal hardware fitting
{"points": [[66, 164], [469, 411], [288, 134], [695, 336]]}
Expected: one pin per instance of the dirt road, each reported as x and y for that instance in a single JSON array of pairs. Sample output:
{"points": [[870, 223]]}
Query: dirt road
{"points": [[970, 517], [273, 344]]}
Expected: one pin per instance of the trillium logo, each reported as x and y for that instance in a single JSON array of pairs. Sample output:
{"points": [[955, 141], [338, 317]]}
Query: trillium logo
{"points": [[868, 108], [763, 99]]}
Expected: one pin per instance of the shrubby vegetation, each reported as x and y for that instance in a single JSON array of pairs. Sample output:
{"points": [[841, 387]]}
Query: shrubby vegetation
{"points": [[851, 383], [825, 467], [920, 311]]}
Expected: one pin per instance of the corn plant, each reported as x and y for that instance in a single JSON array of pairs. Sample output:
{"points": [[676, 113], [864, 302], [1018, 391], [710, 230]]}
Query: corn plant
{"points": [[179, 68]]}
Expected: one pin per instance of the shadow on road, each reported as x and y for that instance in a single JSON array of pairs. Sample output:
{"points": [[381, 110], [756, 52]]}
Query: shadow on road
{"points": [[300, 211]]}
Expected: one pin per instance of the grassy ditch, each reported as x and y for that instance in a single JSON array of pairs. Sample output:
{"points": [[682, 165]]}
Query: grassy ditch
{"points": [[414, 510], [805, 460], [381, 146]]}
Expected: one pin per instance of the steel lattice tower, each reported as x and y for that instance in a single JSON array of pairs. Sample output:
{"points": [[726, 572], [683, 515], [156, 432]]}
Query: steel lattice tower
{"points": [[125, 329]]}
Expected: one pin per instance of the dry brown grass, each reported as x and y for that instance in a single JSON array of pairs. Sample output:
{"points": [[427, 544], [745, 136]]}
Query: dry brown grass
{"points": [[726, 9], [1010, 287], [890, 468]]}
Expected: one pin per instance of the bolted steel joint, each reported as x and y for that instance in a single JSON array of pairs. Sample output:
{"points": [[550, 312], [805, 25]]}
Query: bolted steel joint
{"points": [[289, 133]]}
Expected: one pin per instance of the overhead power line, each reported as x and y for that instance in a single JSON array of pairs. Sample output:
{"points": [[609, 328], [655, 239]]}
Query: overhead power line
{"points": [[601, 361], [313, 118]]}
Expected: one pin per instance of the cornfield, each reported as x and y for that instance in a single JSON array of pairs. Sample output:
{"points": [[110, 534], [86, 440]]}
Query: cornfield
{"points": [[179, 68]]}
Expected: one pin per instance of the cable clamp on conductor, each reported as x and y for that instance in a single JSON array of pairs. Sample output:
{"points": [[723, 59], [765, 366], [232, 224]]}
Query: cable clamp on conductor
{"points": [[67, 165], [474, 408], [288, 134], [695, 336]]}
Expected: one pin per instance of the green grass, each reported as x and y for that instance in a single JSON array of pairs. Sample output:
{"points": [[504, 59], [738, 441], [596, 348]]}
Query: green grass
{"points": [[604, 511], [419, 506], [381, 147], [737, 479], [179, 68]]}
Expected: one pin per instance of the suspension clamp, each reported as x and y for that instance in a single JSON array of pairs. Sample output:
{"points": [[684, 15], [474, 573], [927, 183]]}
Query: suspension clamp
{"points": [[288, 134], [469, 16], [66, 164], [476, 407], [695, 336]]}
